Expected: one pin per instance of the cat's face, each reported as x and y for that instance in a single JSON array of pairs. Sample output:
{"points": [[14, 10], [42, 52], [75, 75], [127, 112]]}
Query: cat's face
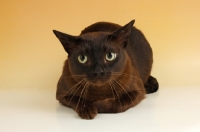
{"points": [[96, 56]]}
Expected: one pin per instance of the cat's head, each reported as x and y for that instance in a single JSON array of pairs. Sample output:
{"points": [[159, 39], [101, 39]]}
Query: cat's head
{"points": [[97, 56]]}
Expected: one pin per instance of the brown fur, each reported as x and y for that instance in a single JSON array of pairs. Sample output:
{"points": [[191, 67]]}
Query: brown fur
{"points": [[99, 86]]}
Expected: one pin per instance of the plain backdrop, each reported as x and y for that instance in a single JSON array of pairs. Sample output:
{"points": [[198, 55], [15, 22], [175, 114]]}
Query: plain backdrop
{"points": [[31, 57]]}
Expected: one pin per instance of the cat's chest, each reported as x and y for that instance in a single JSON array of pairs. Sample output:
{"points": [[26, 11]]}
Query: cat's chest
{"points": [[99, 93]]}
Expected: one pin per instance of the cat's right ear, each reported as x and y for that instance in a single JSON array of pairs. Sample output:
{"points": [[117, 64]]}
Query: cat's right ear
{"points": [[69, 42], [122, 34]]}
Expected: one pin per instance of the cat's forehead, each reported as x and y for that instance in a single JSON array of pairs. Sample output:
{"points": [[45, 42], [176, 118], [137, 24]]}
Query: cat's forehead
{"points": [[95, 42], [92, 36]]}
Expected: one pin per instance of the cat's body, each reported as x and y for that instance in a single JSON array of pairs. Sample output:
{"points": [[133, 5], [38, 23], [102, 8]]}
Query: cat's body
{"points": [[108, 69]]}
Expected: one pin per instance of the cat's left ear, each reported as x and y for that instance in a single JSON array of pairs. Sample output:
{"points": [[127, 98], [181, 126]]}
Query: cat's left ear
{"points": [[123, 33], [69, 42]]}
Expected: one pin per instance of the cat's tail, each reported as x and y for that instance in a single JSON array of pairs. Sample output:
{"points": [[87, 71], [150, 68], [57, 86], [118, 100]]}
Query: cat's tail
{"points": [[151, 85]]}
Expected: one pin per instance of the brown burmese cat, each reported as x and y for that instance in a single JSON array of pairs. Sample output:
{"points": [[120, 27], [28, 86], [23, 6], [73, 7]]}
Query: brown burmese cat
{"points": [[107, 70]]}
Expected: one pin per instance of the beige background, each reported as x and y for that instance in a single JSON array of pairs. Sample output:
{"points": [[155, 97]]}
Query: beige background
{"points": [[32, 57]]}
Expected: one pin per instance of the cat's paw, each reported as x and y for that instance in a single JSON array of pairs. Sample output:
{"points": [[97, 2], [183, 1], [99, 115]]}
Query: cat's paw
{"points": [[87, 112]]}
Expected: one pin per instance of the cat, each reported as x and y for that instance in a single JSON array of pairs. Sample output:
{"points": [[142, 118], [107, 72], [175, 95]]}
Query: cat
{"points": [[107, 70]]}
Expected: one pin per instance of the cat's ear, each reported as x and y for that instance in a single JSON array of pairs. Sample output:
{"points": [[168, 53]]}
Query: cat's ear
{"points": [[123, 33], [69, 42]]}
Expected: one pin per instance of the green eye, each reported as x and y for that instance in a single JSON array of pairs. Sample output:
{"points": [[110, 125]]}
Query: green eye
{"points": [[82, 59], [111, 56]]}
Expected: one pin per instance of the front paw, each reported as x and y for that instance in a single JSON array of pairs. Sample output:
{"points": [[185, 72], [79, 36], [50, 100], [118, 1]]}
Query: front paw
{"points": [[87, 112]]}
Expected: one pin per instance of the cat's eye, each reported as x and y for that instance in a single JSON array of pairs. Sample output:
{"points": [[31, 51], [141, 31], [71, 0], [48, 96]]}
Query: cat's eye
{"points": [[82, 59], [111, 56]]}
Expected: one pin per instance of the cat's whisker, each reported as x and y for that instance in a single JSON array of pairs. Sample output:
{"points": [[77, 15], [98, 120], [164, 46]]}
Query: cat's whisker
{"points": [[76, 91], [118, 89], [118, 97], [118, 83], [124, 74], [136, 77], [112, 91], [114, 96], [129, 88], [121, 73], [124, 84], [72, 88], [85, 95], [127, 92], [83, 89]]}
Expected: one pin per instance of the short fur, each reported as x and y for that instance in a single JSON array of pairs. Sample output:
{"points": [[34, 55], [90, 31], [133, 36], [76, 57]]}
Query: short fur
{"points": [[100, 85]]}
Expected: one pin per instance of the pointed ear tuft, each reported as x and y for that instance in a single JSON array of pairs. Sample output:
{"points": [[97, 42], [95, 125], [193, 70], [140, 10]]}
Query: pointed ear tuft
{"points": [[69, 42], [123, 33]]}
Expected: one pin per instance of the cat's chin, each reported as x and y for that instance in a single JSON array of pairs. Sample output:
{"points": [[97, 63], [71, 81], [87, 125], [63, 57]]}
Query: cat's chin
{"points": [[98, 82]]}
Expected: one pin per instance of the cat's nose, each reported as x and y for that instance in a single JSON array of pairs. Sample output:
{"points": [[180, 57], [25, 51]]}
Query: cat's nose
{"points": [[98, 73]]}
